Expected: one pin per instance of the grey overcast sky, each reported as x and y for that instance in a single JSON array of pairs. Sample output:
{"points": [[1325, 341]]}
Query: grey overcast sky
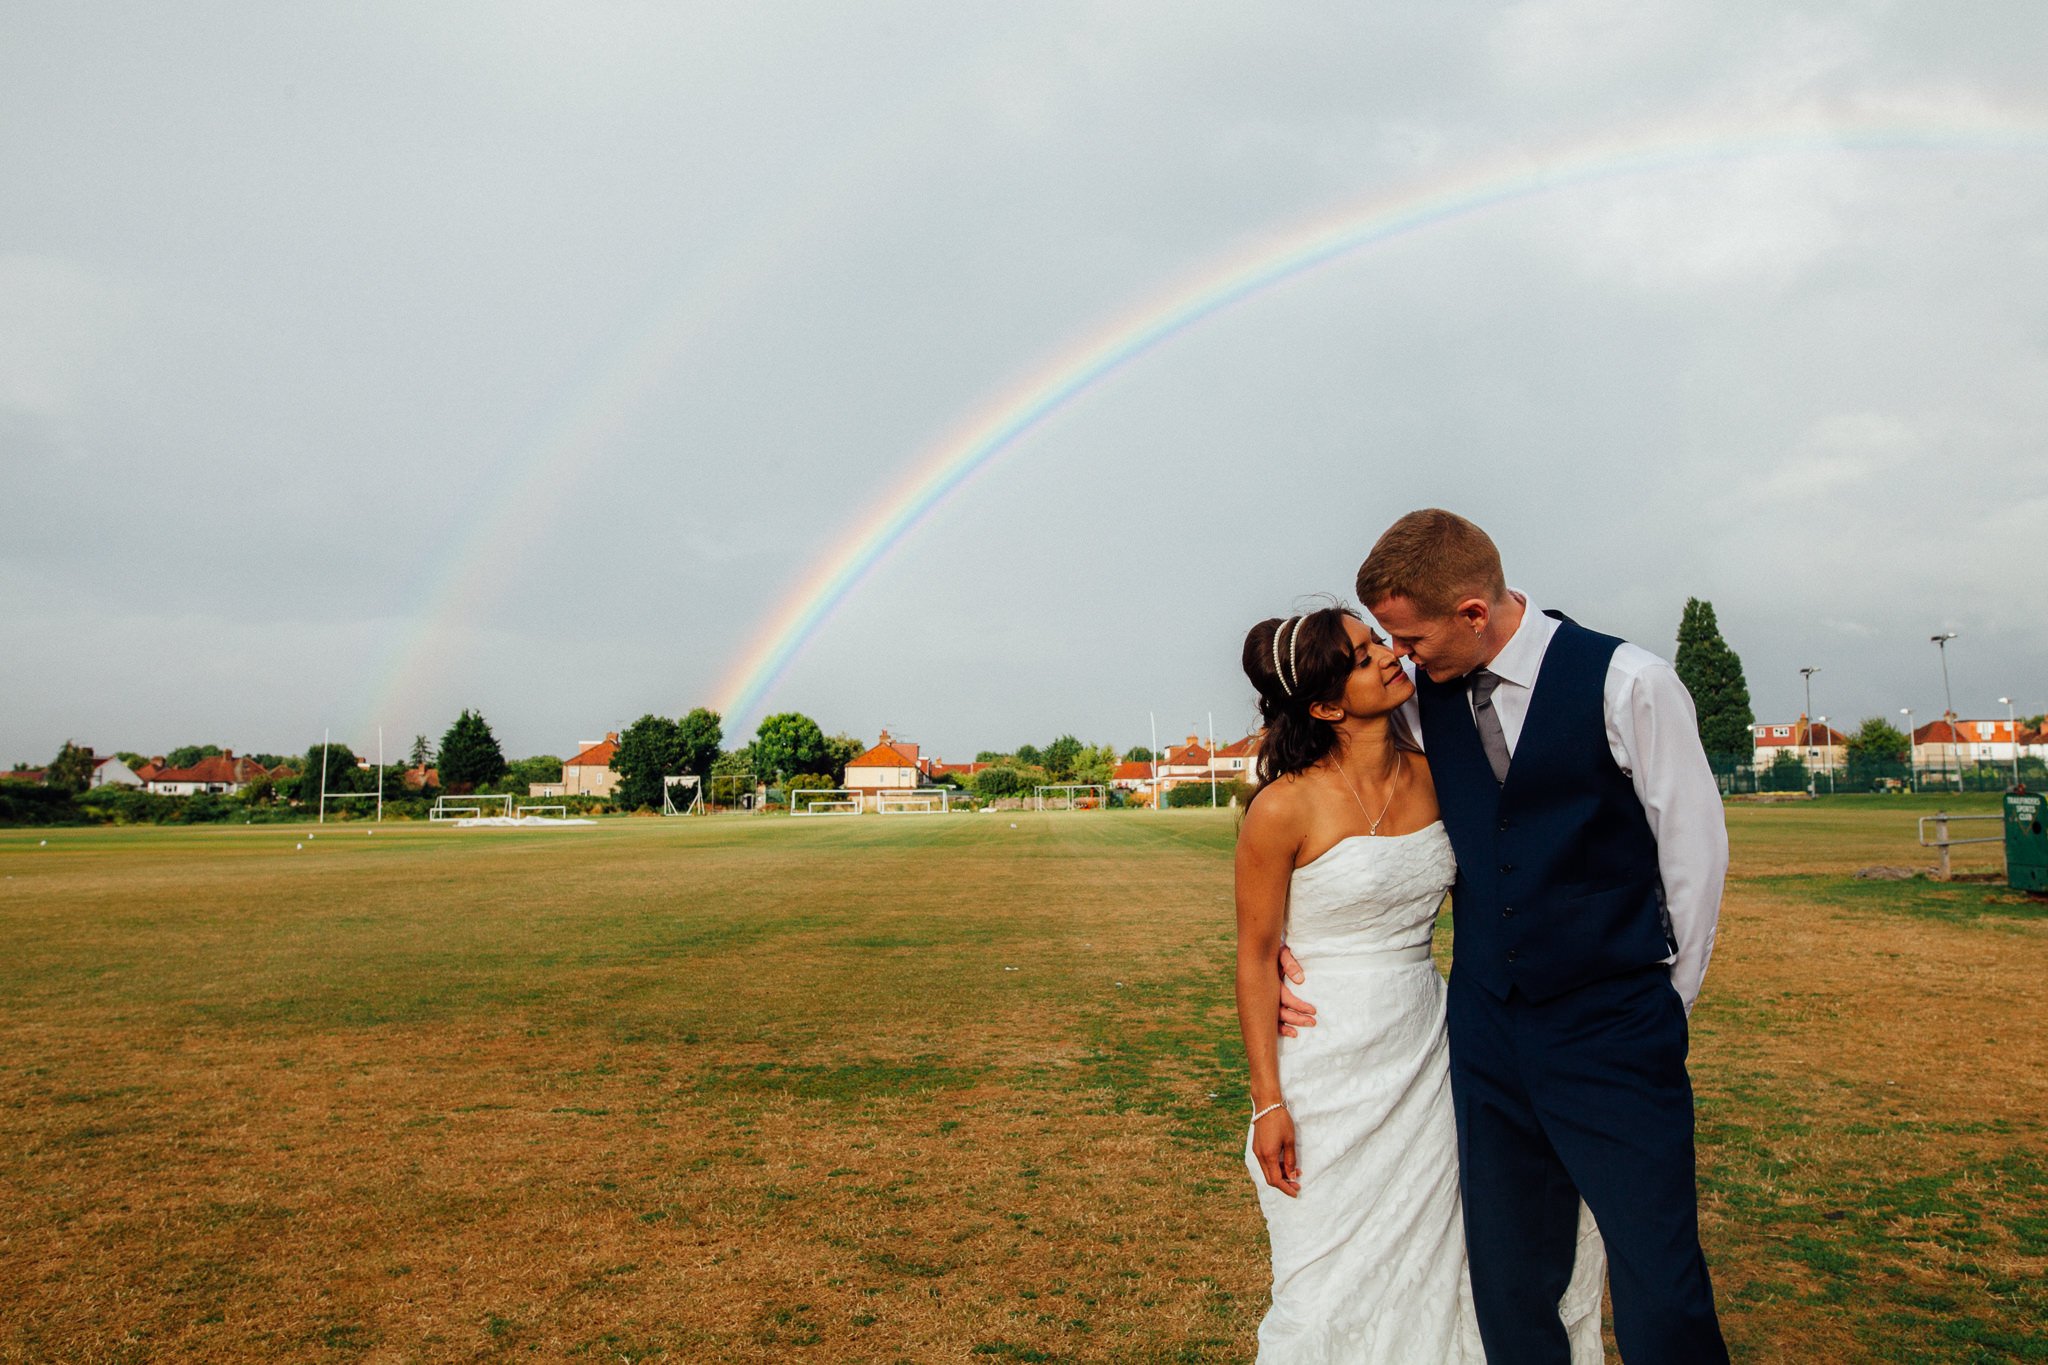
{"points": [[363, 362]]}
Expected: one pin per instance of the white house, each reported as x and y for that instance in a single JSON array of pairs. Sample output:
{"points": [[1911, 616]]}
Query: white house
{"points": [[888, 767]]}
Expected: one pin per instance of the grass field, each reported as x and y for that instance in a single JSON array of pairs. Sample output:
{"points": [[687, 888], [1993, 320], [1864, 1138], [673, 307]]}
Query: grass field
{"points": [[888, 1089]]}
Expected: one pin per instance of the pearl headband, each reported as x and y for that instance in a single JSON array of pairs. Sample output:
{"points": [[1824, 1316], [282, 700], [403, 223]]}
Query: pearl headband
{"points": [[1292, 636]]}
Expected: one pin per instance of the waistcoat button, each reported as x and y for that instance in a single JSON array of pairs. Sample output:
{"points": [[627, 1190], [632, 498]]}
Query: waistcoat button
{"points": [[1512, 954]]}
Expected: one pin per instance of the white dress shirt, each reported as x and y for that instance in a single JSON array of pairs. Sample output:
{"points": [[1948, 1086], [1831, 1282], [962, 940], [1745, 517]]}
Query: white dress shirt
{"points": [[1653, 733]]}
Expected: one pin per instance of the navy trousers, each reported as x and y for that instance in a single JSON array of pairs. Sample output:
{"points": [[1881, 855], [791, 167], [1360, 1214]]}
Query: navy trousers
{"points": [[1585, 1095]]}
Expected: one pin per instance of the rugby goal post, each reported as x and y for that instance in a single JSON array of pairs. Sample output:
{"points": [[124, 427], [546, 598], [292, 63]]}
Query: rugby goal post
{"points": [[915, 801], [1071, 796], [691, 785], [824, 801]]}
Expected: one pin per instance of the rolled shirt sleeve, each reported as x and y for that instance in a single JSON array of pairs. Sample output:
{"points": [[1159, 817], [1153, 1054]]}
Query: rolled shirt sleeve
{"points": [[1653, 732]]}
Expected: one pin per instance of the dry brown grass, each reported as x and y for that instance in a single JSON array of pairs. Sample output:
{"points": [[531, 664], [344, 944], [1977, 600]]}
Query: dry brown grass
{"points": [[731, 1090]]}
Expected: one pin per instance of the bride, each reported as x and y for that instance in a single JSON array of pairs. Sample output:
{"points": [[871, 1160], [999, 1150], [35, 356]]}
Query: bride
{"points": [[1353, 1149]]}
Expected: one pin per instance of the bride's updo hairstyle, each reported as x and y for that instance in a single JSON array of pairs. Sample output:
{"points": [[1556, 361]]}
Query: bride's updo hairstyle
{"points": [[1295, 663]]}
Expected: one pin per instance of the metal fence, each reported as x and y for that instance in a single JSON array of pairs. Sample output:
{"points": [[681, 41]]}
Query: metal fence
{"points": [[1741, 776]]}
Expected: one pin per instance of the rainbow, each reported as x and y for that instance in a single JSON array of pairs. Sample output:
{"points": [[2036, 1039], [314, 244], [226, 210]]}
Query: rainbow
{"points": [[999, 425]]}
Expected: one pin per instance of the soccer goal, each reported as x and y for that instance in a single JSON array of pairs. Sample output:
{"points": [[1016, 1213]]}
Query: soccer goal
{"points": [[1071, 796], [541, 812], [915, 801], [824, 801], [682, 795], [734, 791], [472, 807]]}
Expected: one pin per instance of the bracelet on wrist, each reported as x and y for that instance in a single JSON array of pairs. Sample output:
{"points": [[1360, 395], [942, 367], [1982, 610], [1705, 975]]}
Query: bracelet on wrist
{"points": [[1258, 1114]]}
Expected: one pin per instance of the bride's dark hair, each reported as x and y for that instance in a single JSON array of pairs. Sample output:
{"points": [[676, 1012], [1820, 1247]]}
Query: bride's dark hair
{"points": [[1295, 663]]}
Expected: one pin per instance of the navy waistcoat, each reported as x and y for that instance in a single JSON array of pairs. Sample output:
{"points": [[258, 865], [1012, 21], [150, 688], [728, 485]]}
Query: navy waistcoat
{"points": [[1557, 868]]}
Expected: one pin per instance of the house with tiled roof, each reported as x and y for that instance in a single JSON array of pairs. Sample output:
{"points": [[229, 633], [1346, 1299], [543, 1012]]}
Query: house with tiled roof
{"points": [[1132, 775], [1239, 761], [32, 776], [1940, 742], [220, 774], [1815, 744], [892, 765], [589, 772]]}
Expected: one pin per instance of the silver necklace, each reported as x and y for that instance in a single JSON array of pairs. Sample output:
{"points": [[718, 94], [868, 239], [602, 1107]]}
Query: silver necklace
{"points": [[1393, 785]]}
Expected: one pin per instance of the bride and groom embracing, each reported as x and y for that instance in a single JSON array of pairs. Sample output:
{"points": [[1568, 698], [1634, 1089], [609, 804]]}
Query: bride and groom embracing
{"points": [[1448, 1171]]}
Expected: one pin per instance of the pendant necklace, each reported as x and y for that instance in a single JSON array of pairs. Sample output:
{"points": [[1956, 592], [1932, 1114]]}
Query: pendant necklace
{"points": [[1393, 784]]}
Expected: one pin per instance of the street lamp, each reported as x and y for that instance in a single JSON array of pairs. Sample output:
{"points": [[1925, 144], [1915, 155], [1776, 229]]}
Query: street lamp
{"points": [[1806, 726], [2012, 732], [1912, 768], [1948, 699]]}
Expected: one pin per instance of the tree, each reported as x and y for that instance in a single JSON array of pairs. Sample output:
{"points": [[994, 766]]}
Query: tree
{"points": [[1877, 740], [650, 749], [701, 733], [991, 756], [788, 743], [1137, 753], [1712, 672], [135, 760], [844, 749], [71, 770], [1061, 756], [1028, 755], [343, 772], [186, 755], [470, 756], [523, 773], [736, 762], [422, 752]]}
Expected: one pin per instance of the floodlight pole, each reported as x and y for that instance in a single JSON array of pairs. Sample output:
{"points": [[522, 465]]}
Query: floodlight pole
{"points": [[1212, 760], [1912, 765], [2012, 732], [326, 737], [1948, 699], [1827, 750], [380, 774]]}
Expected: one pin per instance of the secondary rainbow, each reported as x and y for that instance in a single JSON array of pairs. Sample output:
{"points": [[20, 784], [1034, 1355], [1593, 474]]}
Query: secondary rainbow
{"points": [[950, 464]]}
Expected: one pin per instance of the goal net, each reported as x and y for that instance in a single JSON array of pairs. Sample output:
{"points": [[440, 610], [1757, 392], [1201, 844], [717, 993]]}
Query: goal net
{"points": [[824, 801], [682, 795], [916, 801], [469, 807], [1070, 796]]}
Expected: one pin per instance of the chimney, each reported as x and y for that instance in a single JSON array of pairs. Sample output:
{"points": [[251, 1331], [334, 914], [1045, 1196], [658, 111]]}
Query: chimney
{"points": [[885, 737], [228, 754]]}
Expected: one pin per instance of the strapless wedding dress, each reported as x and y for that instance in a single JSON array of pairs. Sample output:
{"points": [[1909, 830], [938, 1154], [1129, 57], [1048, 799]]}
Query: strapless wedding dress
{"points": [[1369, 1261]]}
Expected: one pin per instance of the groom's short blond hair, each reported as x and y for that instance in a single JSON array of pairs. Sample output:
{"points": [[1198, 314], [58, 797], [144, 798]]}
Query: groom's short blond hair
{"points": [[1435, 559]]}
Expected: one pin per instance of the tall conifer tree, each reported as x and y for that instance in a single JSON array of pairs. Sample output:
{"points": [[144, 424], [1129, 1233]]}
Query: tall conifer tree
{"points": [[470, 756], [1711, 671]]}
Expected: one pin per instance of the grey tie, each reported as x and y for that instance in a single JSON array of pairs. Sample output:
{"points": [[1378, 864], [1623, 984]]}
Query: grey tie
{"points": [[1491, 737]]}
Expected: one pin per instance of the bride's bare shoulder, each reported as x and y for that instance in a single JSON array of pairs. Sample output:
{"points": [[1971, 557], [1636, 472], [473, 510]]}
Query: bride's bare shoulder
{"points": [[1279, 811]]}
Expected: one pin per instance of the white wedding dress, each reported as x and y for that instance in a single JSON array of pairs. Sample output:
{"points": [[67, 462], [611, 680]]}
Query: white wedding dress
{"points": [[1369, 1261]]}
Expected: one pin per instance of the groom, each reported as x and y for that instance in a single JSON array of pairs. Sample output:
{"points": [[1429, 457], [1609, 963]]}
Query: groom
{"points": [[1591, 852]]}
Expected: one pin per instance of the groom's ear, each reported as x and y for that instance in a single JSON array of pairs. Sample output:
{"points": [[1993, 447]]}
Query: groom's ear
{"points": [[1472, 614]]}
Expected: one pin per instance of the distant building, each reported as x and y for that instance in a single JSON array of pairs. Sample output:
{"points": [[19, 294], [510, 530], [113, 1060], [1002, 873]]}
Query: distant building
{"points": [[112, 772], [33, 776], [888, 767], [1816, 745], [589, 773], [219, 774]]}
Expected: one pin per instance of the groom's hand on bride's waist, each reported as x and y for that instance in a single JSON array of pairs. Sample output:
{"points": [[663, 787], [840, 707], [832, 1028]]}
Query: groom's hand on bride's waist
{"points": [[1295, 1012]]}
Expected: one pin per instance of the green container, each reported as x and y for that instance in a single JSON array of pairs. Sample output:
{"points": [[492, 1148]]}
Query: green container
{"points": [[2026, 843]]}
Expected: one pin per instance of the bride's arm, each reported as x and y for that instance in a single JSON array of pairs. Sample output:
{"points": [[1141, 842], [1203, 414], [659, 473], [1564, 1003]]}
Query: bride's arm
{"points": [[1265, 862]]}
